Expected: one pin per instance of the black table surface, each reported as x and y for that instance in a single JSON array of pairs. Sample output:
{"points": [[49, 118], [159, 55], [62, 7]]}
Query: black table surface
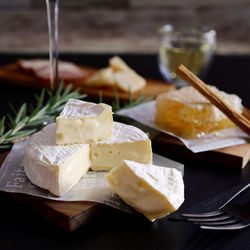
{"points": [[20, 228]]}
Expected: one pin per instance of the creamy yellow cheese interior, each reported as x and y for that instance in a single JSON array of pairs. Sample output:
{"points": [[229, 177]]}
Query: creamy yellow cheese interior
{"points": [[52, 167], [82, 122], [152, 190], [119, 75], [104, 77], [127, 142], [58, 168]]}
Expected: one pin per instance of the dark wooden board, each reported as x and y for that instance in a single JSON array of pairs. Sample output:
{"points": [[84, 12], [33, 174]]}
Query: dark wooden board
{"points": [[72, 215], [234, 156], [65, 214]]}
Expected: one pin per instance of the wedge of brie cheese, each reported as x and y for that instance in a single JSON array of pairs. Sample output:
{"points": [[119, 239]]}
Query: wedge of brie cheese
{"points": [[55, 168], [129, 80], [104, 77], [152, 190], [127, 142], [81, 122], [117, 64], [119, 75]]}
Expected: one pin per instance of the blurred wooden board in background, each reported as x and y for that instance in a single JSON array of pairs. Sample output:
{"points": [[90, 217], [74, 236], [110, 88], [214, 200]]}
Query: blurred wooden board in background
{"points": [[12, 74]]}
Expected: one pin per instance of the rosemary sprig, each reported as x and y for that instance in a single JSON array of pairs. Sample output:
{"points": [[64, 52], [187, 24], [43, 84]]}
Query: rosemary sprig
{"points": [[116, 105], [29, 119]]}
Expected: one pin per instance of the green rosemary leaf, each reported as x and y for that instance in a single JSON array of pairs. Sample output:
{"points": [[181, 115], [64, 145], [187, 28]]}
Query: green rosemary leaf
{"points": [[19, 125], [12, 107], [148, 99], [130, 96], [4, 136], [40, 100], [116, 103], [100, 97], [67, 90], [11, 120], [36, 97], [41, 121], [75, 94], [59, 90], [5, 146], [21, 112], [21, 134], [2, 127], [30, 108], [49, 93]]}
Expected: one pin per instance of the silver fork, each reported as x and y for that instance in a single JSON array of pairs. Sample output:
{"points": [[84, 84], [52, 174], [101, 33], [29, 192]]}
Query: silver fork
{"points": [[224, 218]]}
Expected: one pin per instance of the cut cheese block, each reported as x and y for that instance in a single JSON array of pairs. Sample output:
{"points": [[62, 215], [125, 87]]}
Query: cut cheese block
{"points": [[104, 77], [117, 64], [127, 142], [185, 112], [129, 81], [119, 75], [152, 190], [55, 168], [81, 122]]}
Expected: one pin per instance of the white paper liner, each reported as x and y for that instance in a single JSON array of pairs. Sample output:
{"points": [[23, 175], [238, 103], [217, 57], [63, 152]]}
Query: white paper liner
{"points": [[145, 113], [92, 186]]}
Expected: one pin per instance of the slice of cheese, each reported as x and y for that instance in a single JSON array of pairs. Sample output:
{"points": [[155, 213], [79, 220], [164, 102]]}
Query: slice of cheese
{"points": [[129, 80], [81, 122], [55, 168], [104, 77], [117, 64], [152, 190], [127, 142], [125, 78], [119, 75]]}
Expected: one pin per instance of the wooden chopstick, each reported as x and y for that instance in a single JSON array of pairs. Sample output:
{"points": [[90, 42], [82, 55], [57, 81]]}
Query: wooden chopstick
{"points": [[240, 120]]}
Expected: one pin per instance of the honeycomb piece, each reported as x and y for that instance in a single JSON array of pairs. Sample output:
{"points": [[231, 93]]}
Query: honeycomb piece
{"points": [[188, 114]]}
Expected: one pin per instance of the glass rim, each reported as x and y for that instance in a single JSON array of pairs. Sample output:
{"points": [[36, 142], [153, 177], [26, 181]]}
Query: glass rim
{"points": [[191, 30]]}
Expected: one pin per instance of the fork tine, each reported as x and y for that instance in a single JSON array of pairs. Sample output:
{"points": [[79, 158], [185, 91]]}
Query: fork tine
{"points": [[204, 219], [226, 227], [209, 214], [214, 223], [218, 219]]}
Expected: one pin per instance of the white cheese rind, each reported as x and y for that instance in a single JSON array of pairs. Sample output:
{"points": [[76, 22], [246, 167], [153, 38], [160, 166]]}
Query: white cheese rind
{"points": [[152, 190], [127, 142], [54, 168], [82, 122]]}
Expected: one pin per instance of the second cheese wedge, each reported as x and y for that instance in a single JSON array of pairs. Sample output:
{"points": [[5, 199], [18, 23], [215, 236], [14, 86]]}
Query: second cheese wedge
{"points": [[127, 142], [82, 122], [152, 190], [55, 168]]}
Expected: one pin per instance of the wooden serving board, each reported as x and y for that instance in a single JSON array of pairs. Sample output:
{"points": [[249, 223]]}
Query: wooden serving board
{"points": [[235, 156], [67, 215], [72, 215], [12, 74]]}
